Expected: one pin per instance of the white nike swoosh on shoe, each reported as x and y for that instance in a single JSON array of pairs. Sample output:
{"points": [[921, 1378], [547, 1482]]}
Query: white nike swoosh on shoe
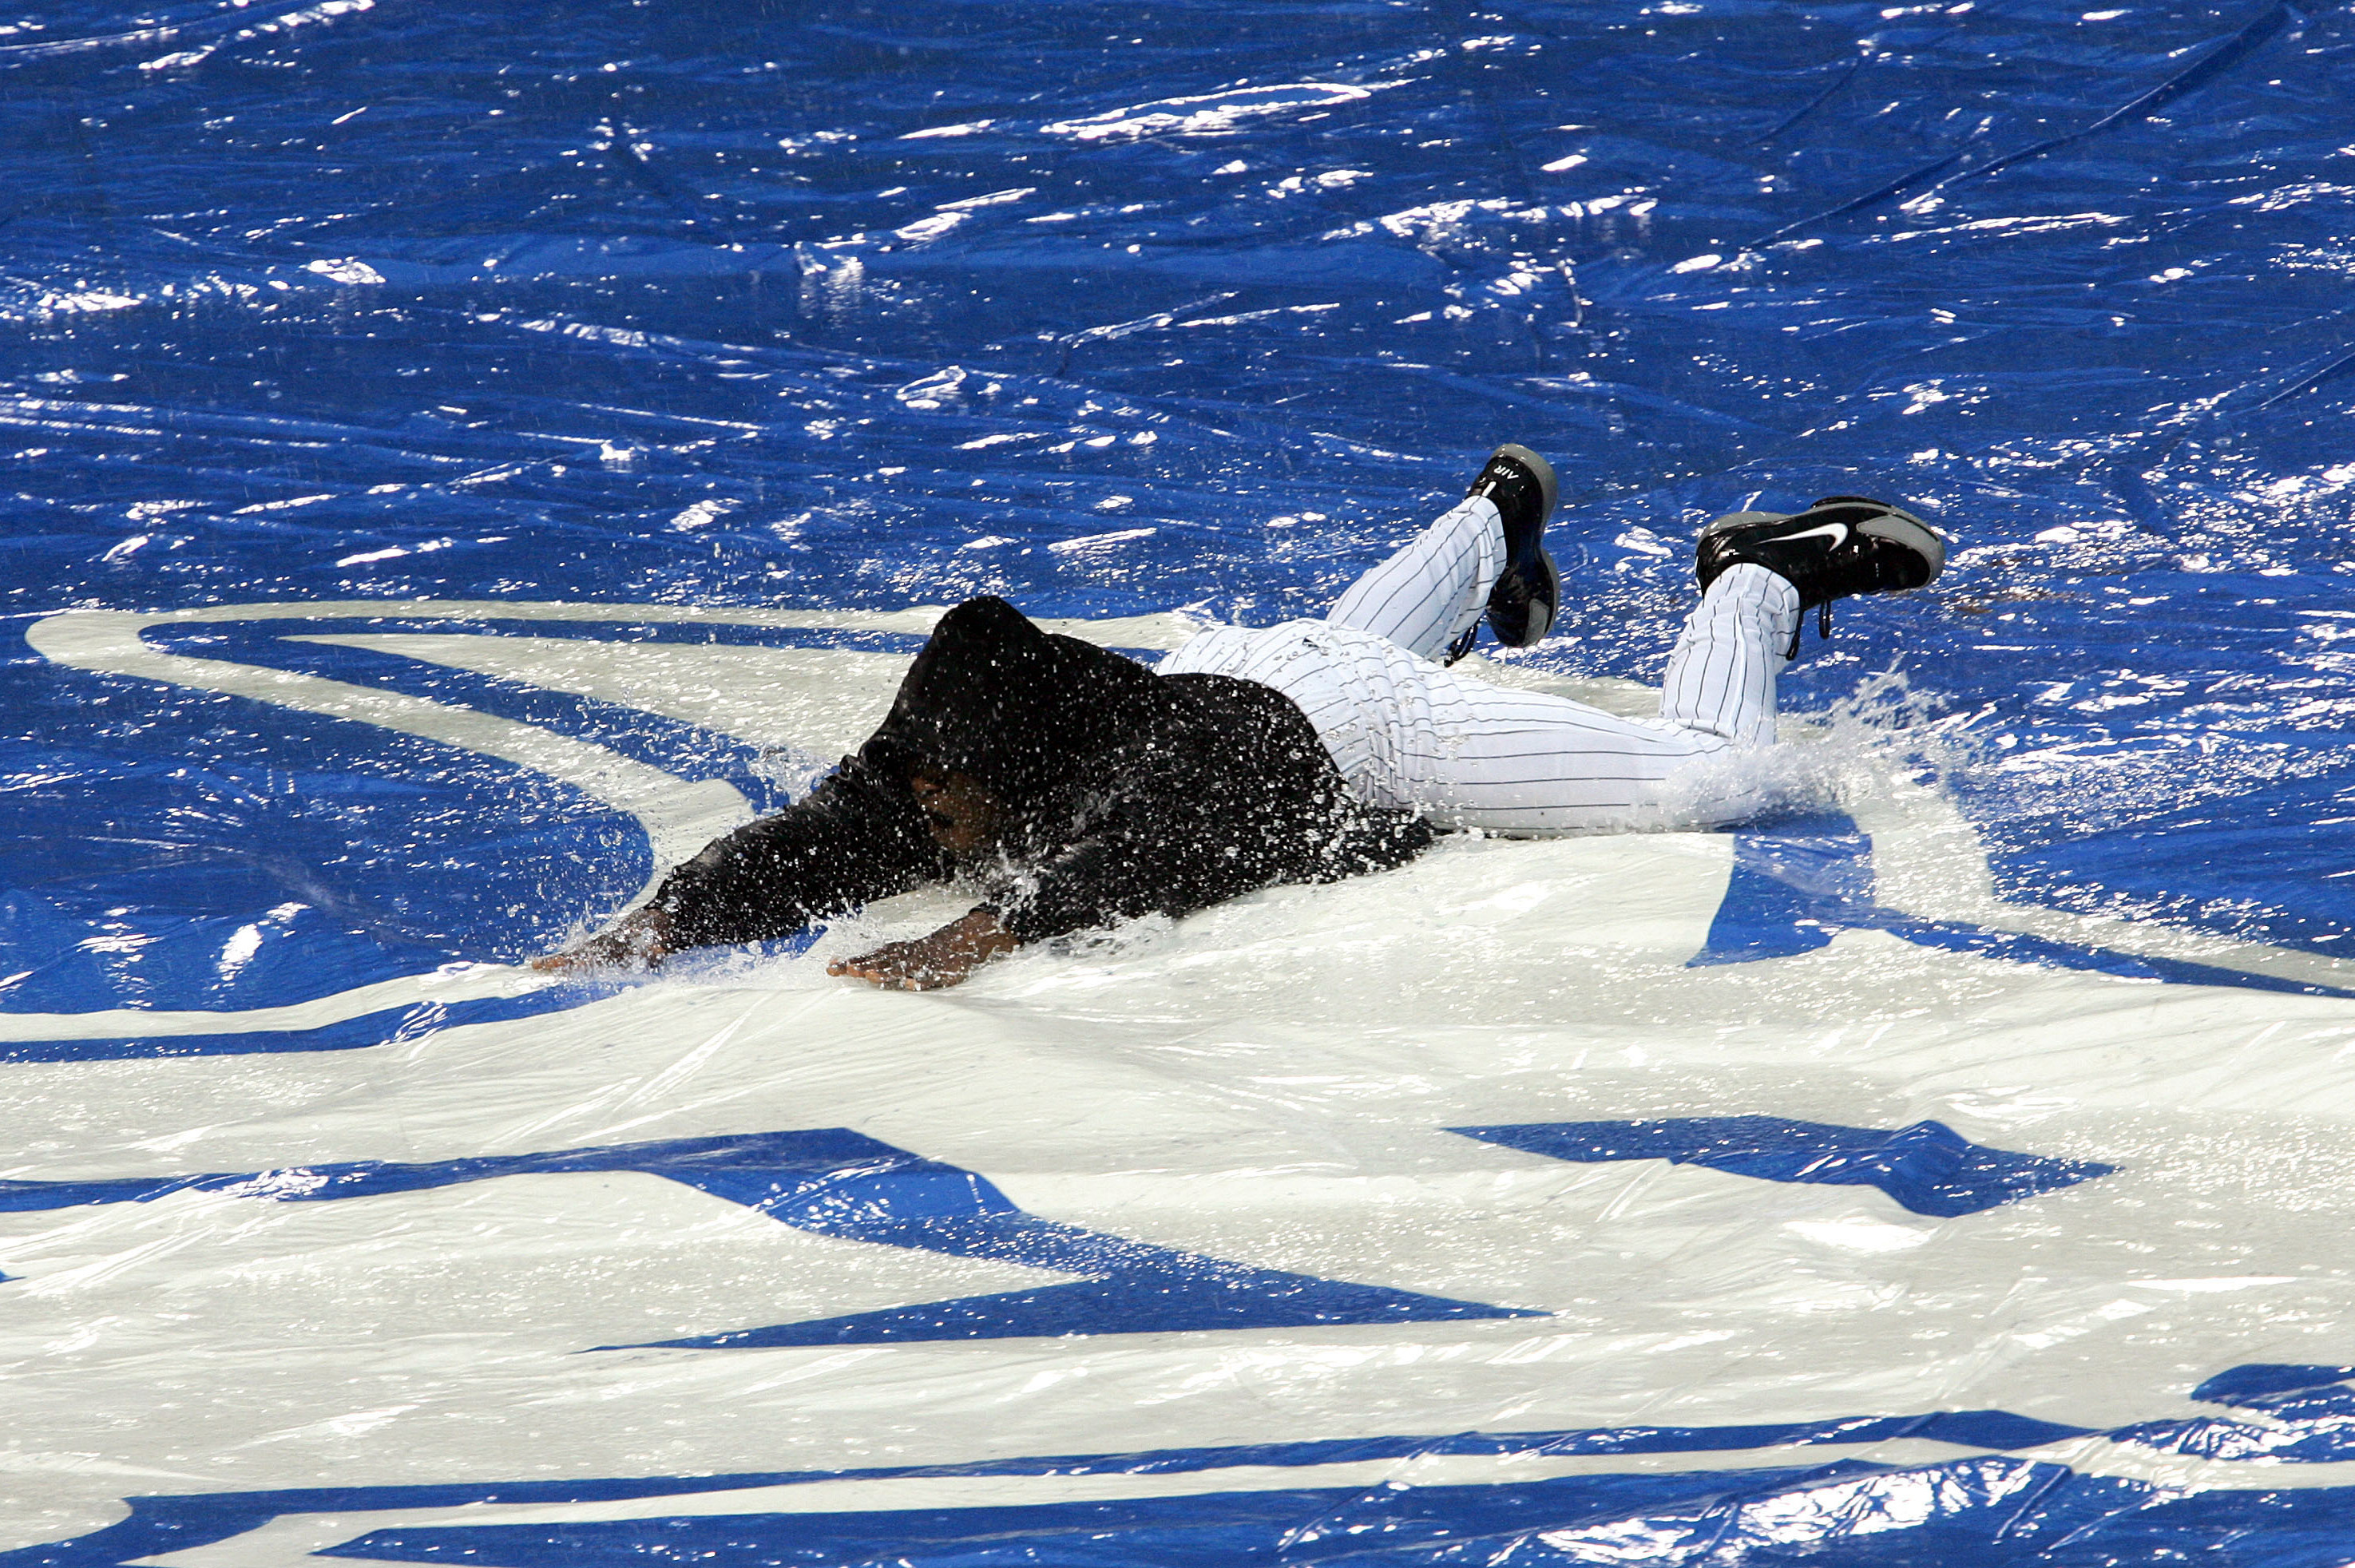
{"points": [[1838, 531]]}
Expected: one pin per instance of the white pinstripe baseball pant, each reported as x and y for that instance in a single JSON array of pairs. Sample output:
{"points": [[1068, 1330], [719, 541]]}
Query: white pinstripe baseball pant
{"points": [[1406, 732]]}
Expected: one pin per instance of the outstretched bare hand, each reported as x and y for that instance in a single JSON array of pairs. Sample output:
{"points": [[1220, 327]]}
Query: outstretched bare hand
{"points": [[928, 963], [640, 941]]}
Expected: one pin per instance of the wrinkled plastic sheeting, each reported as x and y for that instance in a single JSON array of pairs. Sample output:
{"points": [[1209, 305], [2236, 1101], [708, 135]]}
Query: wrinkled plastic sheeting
{"points": [[459, 460]]}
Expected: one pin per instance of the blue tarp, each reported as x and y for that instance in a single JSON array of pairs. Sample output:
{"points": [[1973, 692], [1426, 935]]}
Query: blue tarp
{"points": [[371, 361]]}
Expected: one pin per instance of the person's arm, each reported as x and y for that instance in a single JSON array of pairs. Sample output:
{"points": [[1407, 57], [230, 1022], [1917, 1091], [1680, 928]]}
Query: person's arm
{"points": [[1137, 841], [1169, 861], [1231, 796], [640, 939], [858, 838], [1108, 877], [927, 963], [1140, 862], [1197, 820]]}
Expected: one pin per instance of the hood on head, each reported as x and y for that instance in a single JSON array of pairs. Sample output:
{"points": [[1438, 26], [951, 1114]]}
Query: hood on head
{"points": [[1017, 709]]}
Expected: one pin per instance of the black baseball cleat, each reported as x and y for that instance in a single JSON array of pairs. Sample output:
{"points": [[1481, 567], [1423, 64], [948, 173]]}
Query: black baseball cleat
{"points": [[1522, 603], [1843, 545]]}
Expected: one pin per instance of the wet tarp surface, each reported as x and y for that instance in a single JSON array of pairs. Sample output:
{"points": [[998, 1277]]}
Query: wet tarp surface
{"points": [[456, 457]]}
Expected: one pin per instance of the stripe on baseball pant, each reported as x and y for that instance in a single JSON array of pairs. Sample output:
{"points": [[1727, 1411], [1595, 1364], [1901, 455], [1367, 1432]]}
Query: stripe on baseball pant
{"points": [[1436, 589], [1408, 734]]}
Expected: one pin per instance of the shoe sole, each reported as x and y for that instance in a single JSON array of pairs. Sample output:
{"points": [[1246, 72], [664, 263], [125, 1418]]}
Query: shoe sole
{"points": [[1551, 598], [1550, 486], [1732, 520], [1549, 489], [1897, 526], [1905, 528]]}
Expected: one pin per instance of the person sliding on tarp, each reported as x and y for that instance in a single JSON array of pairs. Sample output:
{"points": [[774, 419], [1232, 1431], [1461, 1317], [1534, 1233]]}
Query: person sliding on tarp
{"points": [[1075, 787]]}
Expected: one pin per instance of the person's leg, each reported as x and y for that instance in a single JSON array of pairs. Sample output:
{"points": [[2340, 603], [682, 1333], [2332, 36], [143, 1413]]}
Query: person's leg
{"points": [[1436, 589], [1406, 733], [1468, 754], [1721, 680], [1486, 555]]}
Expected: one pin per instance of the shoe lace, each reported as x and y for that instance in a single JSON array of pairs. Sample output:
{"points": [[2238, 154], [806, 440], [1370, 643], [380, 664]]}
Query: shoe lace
{"points": [[1799, 627]]}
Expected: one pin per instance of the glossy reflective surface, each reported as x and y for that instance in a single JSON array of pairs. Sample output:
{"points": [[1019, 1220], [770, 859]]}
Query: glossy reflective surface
{"points": [[504, 444]]}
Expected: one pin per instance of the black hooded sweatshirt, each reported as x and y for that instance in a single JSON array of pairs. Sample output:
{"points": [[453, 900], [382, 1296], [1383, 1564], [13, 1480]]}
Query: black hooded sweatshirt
{"points": [[1122, 793]]}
